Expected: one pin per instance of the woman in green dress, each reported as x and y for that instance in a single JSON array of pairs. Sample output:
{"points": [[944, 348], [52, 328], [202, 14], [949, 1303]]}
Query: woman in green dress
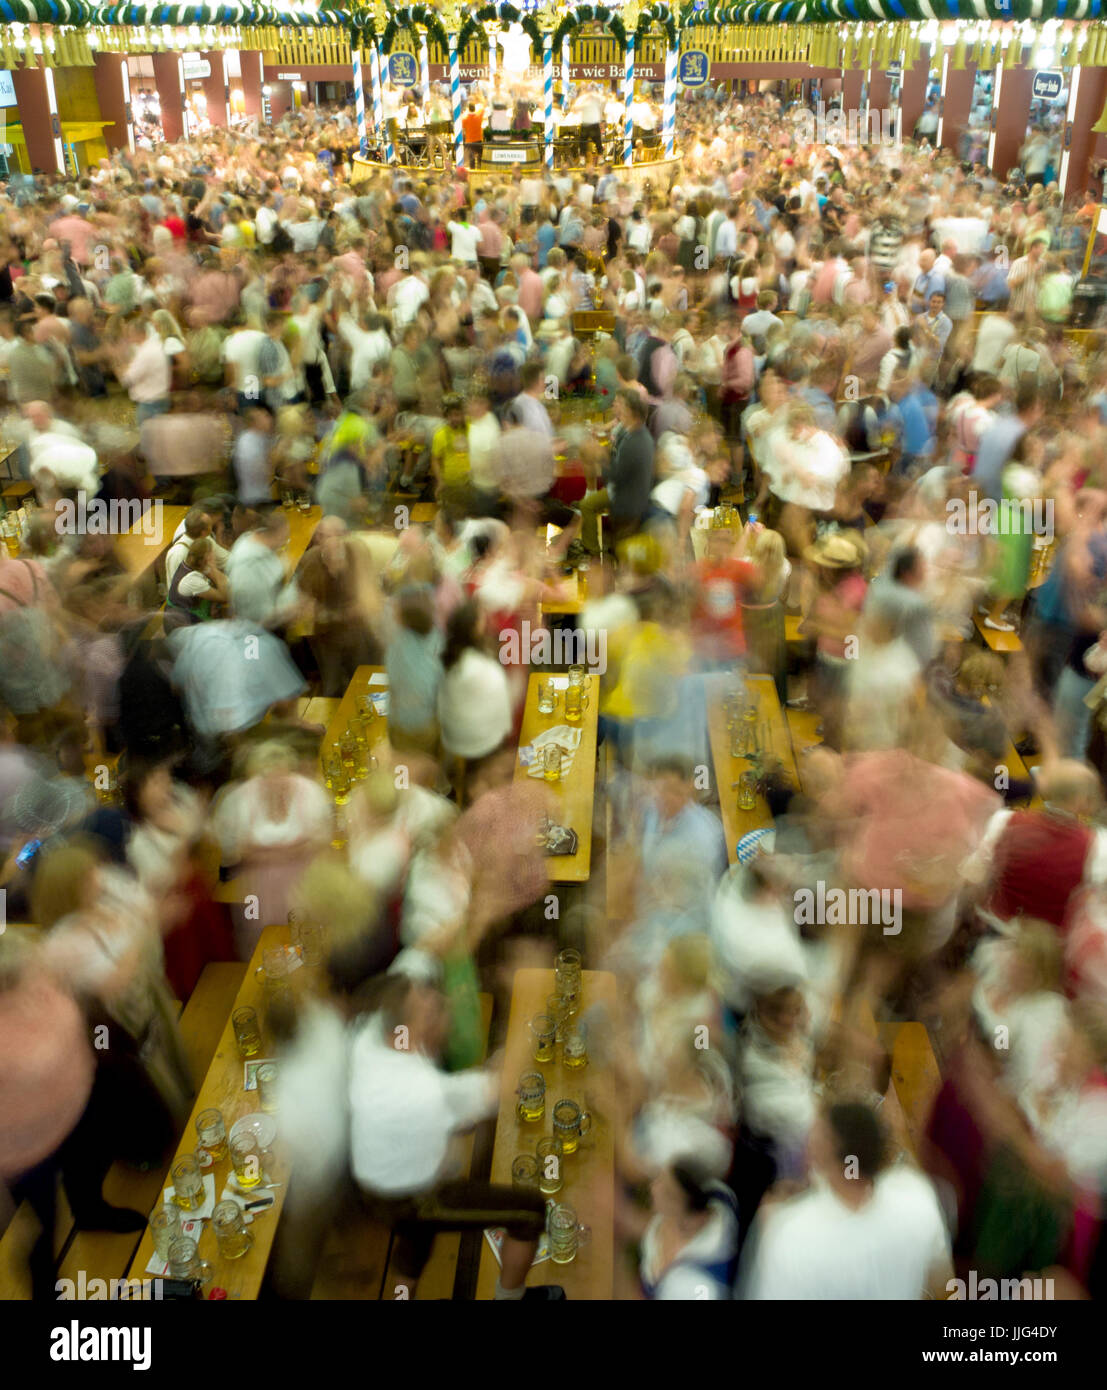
{"points": [[1019, 515]]}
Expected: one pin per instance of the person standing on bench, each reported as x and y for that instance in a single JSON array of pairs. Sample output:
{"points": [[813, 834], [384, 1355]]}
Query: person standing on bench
{"points": [[405, 1113]]}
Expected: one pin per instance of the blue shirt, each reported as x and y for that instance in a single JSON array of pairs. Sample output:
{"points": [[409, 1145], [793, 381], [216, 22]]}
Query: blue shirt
{"points": [[547, 236], [926, 285], [918, 411]]}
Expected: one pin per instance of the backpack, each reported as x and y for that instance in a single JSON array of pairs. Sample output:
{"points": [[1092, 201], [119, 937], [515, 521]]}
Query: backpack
{"points": [[31, 675], [282, 242]]}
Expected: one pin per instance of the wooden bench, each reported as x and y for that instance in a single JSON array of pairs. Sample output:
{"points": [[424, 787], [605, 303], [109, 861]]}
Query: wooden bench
{"points": [[915, 1073], [15, 493], [106, 1254], [1003, 642]]}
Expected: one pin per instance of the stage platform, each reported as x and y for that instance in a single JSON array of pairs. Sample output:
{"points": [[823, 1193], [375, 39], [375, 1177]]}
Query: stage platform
{"points": [[660, 173]]}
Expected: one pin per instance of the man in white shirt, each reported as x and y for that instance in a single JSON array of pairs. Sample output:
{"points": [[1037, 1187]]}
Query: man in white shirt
{"points": [[369, 344], [862, 1231], [464, 239], [405, 298], [404, 1115], [240, 357]]}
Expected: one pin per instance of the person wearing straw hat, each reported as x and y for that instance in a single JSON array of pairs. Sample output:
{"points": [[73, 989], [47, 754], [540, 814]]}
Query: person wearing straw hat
{"points": [[838, 559]]}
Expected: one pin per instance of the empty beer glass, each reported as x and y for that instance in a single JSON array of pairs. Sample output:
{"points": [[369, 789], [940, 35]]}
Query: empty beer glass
{"points": [[165, 1227], [247, 1031], [546, 698], [532, 1096], [549, 1151], [188, 1183], [524, 1174], [543, 1030], [567, 980], [566, 1233], [231, 1234], [185, 1261], [267, 1087]]}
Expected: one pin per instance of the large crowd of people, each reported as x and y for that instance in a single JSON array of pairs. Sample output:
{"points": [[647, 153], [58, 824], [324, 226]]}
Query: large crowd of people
{"points": [[832, 429]]}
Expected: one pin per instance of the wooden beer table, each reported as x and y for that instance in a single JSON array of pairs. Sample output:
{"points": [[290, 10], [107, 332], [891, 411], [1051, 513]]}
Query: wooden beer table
{"points": [[140, 555], [301, 528], [576, 794], [728, 770], [347, 709], [589, 1173], [223, 1090]]}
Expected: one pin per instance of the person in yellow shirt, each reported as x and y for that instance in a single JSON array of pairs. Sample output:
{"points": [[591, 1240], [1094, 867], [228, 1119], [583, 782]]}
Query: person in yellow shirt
{"points": [[450, 448]]}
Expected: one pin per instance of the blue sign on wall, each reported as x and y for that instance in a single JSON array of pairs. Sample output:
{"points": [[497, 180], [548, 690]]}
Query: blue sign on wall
{"points": [[693, 68], [402, 71], [1048, 85]]}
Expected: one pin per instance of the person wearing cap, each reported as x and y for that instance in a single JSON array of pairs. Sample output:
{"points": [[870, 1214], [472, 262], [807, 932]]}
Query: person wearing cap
{"points": [[838, 560]]}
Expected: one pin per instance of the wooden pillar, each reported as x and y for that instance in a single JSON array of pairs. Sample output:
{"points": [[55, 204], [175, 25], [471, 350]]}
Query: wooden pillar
{"points": [[38, 112], [912, 92], [1010, 117], [217, 88], [956, 102], [113, 92], [1087, 93], [169, 80], [251, 65]]}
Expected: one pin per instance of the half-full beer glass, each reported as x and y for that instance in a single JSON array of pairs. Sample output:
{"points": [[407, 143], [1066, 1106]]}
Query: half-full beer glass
{"points": [[188, 1183], [532, 1096], [570, 1124]]}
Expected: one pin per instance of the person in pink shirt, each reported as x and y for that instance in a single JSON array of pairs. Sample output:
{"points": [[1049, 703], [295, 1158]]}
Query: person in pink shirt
{"points": [[80, 234], [531, 291]]}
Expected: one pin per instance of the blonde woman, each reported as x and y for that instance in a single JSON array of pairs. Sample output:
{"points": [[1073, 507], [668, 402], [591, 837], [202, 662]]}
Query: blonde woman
{"points": [[169, 331], [763, 610]]}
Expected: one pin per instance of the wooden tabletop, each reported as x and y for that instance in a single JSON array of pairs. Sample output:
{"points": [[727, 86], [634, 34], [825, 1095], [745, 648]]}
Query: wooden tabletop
{"points": [[301, 527], [589, 1174], [223, 1090], [736, 822], [347, 708], [575, 795], [574, 600], [138, 553]]}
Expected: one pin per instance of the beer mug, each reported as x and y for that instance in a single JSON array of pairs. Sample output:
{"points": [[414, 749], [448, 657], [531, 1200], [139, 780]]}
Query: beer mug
{"points": [[304, 502], [575, 1053], [551, 762], [231, 1235], [574, 704], [165, 1228], [566, 1234], [188, 1183], [213, 1134], [547, 698], [532, 1096], [287, 499], [543, 1029], [747, 794], [247, 1032], [570, 1124], [246, 1160], [185, 1261], [524, 1174], [309, 941], [273, 971], [567, 980], [10, 529], [267, 1088], [550, 1151]]}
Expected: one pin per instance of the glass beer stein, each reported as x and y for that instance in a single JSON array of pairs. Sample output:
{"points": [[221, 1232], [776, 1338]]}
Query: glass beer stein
{"points": [[567, 1235], [212, 1133], [524, 1174], [550, 1153], [575, 1050], [570, 1124], [246, 1160], [188, 1183], [543, 1029], [165, 1228], [532, 1097], [231, 1235], [551, 762], [247, 1031]]}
